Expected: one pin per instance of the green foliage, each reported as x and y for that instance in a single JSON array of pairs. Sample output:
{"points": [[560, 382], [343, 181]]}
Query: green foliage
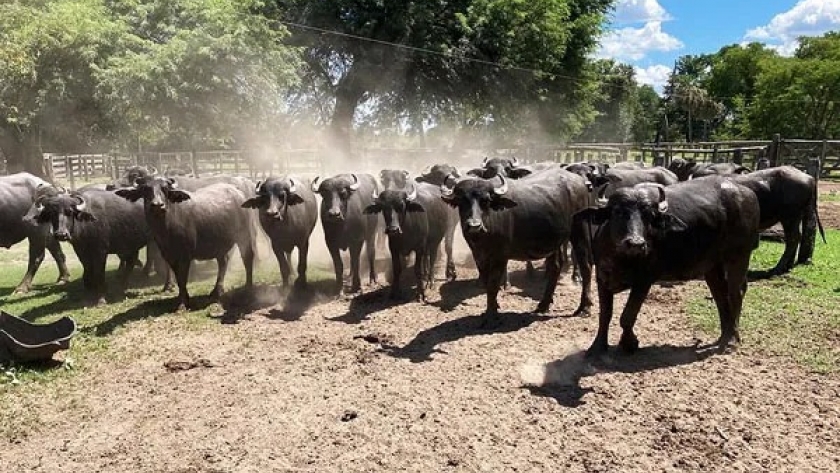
{"points": [[796, 315]]}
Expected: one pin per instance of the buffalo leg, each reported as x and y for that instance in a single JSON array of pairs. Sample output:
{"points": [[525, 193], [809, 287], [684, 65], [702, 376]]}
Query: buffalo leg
{"points": [[431, 258], [246, 250], [355, 257], [95, 280], [552, 272], [370, 252], [303, 254], [530, 272], [736, 280], [581, 250], [716, 280], [451, 274], [283, 261], [182, 276], [36, 257], [419, 264], [809, 235], [605, 312], [494, 273], [396, 268], [219, 288], [792, 238], [338, 266], [628, 341], [57, 253], [130, 261]]}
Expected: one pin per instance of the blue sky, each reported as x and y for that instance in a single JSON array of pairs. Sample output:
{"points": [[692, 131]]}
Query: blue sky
{"points": [[651, 34]]}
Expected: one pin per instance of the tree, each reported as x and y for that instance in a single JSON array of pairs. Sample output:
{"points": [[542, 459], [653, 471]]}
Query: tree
{"points": [[616, 104], [498, 62], [647, 114]]}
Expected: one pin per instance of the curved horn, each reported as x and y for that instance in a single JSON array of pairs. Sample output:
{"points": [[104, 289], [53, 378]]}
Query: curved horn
{"points": [[61, 190], [426, 170], [316, 184], [405, 174], [375, 195], [82, 205], [663, 203], [484, 163], [503, 188], [355, 185], [152, 170], [412, 196], [514, 162], [292, 185], [257, 188], [446, 190], [172, 183]]}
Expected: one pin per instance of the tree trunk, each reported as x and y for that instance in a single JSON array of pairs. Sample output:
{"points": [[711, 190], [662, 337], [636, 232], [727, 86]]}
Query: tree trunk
{"points": [[347, 98], [20, 147]]}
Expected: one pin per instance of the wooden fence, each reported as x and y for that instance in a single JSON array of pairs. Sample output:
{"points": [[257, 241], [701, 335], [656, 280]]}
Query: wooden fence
{"points": [[74, 169]]}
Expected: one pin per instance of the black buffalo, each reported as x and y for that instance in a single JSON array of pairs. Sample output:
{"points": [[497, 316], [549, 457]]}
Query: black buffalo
{"points": [[415, 221], [788, 196], [394, 179], [523, 220], [505, 167], [200, 225], [437, 175], [687, 169], [346, 226], [18, 193], [618, 178], [97, 223], [288, 213], [705, 228]]}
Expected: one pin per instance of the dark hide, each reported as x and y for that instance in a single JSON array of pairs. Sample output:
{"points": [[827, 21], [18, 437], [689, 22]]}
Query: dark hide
{"points": [[506, 167], [788, 196], [415, 221], [393, 179], [346, 226], [615, 179], [705, 228], [199, 225], [687, 169], [523, 220], [288, 212], [437, 175], [17, 194], [97, 223]]}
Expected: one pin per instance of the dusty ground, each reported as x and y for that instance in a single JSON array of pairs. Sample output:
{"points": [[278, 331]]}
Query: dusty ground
{"points": [[363, 385]]}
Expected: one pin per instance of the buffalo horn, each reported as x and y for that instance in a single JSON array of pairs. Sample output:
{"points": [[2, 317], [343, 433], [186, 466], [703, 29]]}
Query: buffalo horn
{"points": [[355, 185], [426, 170], [484, 163], [82, 203], [375, 195], [152, 170], [316, 184], [663, 203], [514, 162], [292, 185], [503, 188], [412, 196], [257, 188]]}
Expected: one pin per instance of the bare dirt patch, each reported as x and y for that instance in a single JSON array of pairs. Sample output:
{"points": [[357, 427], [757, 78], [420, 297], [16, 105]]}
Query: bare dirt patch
{"points": [[365, 384]]}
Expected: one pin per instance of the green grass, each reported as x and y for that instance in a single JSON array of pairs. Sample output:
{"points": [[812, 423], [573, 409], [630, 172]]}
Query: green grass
{"points": [[796, 315], [831, 196], [99, 325]]}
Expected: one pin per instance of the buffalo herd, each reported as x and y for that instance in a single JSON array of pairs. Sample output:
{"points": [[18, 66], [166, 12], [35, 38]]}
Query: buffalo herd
{"points": [[636, 225]]}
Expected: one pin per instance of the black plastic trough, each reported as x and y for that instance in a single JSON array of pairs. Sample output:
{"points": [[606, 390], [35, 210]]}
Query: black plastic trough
{"points": [[21, 341]]}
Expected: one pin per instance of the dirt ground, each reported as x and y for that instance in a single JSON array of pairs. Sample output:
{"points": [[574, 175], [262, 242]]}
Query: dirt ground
{"points": [[364, 385]]}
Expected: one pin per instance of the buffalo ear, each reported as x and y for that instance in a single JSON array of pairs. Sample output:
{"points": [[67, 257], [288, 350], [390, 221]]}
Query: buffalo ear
{"points": [[501, 203], [110, 187], [518, 173], [85, 216], [129, 194], [293, 199], [420, 179], [666, 222], [477, 172], [177, 196], [450, 199], [372, 209], [414, 207], [594, 215], [252, 203]]}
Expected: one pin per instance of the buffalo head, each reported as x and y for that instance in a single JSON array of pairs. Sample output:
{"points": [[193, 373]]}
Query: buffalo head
{"points": [[682, 168], [505, 167], [635, 217], [475, 197], [335, 192], [157, 191], [393, 179], [275, 195], [61, 210], [391, 202], [437, 174]]}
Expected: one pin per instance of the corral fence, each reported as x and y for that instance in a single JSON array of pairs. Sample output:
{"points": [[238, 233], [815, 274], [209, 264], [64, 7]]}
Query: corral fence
{"points": [[818, 157]]}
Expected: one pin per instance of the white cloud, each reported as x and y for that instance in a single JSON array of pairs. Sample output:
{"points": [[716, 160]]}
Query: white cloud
{"points": [[656, 76], [639, 11], [806, 18], [634, 43]]}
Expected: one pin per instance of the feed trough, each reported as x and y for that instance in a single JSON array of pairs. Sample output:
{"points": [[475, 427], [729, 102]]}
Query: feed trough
{"points": [[21, 341]]}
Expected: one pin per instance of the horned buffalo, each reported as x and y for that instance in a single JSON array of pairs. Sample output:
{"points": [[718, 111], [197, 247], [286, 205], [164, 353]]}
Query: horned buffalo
{"points": [[506, 167], [394, 179], [288, 212], [687, 169], [200, 225], [415, 221], [17, 197], [437, 175], [616, 178], [523, 220], [346, 226], [97, 223], [705, 228]]}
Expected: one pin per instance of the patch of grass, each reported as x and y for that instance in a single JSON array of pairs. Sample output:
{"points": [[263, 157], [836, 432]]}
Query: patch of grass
{"points": [[830, 196], [796, 315]]}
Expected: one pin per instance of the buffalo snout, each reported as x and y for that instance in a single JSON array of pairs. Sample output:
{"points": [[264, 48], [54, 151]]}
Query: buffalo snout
{"points": [[62, 235], [393, 230], [633, 245], [335, 214], [275, 214]]}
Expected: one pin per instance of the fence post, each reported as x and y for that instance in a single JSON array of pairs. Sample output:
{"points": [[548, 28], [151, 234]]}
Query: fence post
{"points": [[763, 163], [70, 173], [715, 153], [814, 165], [738, 156], [194, 163], [775, 152]]}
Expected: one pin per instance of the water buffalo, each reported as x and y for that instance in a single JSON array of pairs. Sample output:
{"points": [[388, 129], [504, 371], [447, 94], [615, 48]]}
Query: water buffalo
{"points": [[616, 178], [415, 221], [686, 170], [393, 179], [437, 176], [788, 196], [346, 226], [648, 233], [288, 212], [17, 194], [97, 223], [523, 220], [200, 225], [506, 167]]}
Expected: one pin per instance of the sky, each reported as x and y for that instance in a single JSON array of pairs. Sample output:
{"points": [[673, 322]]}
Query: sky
{"points": [[652, 34]]}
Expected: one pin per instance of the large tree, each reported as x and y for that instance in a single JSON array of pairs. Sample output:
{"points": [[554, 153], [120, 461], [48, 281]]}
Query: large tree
{"points": [[496, 62]]}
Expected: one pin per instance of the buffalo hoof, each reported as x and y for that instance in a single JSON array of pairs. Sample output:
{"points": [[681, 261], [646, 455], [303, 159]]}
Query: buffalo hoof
{"points": [[168, 288], [22, 290], [451, 275], [597, 349], [301, 284], [181, 308], [728, 343], [355, 289], [628, 342], [542, 307], [583, 311], [62, 280], [216, 294]]}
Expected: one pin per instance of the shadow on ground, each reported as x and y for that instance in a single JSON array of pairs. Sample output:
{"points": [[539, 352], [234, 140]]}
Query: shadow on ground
{"points": [[560, 379], [427, 342]]}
